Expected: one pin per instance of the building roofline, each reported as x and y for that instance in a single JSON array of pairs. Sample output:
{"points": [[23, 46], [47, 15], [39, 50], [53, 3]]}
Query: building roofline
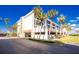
{"points": [[24, 16], [28, 14], [52, 22]]}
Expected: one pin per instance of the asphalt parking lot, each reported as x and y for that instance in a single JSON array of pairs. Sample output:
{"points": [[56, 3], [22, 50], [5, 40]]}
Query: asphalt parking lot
{"points": [[24, 46]]}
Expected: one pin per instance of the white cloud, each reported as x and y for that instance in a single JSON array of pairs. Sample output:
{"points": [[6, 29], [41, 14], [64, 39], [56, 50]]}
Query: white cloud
{"points": [[76, 20], [72, 20], [73, 25], [76, 28], [69, 23], [77, 17]]}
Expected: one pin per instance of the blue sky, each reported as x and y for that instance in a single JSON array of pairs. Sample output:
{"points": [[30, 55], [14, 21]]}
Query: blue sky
{"points": [[14, 12]]}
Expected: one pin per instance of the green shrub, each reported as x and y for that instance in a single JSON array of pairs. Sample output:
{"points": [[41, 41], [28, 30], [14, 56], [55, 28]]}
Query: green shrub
{"points": [[74, 34], [42, 40]]}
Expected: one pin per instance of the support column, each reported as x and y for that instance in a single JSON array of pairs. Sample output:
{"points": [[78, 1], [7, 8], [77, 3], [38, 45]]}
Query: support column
{"points": [[46, 30]]}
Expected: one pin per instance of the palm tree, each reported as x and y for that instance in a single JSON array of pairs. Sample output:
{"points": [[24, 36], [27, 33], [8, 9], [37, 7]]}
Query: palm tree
{"points": [[40, 16], [67, 27], [37, 11], [14, 27], [61, 21], [6, 20], [51, 14]]}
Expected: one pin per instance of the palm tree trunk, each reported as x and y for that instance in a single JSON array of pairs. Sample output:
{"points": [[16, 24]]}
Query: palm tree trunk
{"points": [[40, 30], [56, 30], [34, 27], [44, 32], [43, 26], [60, 29], [48, 33]]}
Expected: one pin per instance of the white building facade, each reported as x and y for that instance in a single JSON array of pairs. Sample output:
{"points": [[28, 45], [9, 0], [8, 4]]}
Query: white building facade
{"points": [[28, 26]]}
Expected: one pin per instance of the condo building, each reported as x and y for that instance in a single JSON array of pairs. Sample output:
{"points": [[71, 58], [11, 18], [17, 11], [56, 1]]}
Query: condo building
{"points": [[29, 26]]}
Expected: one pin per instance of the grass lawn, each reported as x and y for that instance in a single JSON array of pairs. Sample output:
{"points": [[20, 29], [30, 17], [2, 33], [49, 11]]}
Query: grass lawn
{"points": [[54, 43], [69, 39], [66, 39]]}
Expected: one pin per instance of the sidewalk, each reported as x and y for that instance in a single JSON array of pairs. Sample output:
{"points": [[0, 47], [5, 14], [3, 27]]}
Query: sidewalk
{"points": [[10, 38]]}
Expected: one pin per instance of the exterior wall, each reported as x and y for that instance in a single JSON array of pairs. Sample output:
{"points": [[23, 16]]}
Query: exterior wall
{"points": [[27, 22], [64, 31], [38, 28], [19, 31]]}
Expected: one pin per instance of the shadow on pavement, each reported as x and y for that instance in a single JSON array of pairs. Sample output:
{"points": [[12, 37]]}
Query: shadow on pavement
{"points": [[57, 47], [23, 46], [6, 47]]}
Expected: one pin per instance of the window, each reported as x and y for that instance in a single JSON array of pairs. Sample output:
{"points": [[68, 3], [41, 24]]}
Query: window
{"points": [[48, 26], [53, 24], [53, 27], [39, 33], [48, 22], [27, 34]]}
